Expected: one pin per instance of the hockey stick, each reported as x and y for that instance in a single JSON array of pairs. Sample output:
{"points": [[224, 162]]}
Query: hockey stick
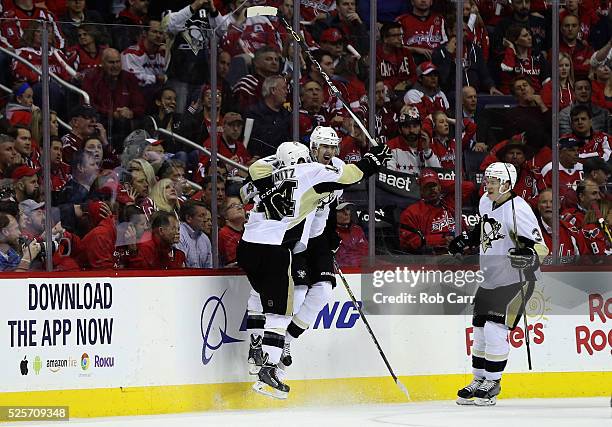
{"points": [[273, 11], [401, 386], [523, 302]]}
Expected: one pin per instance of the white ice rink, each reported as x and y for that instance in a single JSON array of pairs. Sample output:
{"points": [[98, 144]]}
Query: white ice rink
{"points": [[591, 412]]}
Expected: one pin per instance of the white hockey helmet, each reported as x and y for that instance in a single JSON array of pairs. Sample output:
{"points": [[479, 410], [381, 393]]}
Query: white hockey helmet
{"points": [[291, 152], [504, 172], [323, 135]]}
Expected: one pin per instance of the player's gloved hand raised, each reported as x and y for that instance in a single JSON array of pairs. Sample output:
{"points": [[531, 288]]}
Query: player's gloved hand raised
{"points": [[275, 204], [379, 155], [459, 243], [523, 258]]}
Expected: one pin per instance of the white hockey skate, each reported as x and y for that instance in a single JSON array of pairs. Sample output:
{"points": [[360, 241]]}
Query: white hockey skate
{"points": [[466, 394], [486, 394]]}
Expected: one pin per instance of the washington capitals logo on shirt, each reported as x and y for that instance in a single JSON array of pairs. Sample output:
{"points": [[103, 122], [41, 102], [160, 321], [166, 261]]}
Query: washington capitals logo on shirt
{"points": [[489, 232]]}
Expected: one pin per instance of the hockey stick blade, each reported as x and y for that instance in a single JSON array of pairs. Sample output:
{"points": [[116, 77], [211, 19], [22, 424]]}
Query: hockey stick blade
{"points": [[261, 11], [403, 388]]}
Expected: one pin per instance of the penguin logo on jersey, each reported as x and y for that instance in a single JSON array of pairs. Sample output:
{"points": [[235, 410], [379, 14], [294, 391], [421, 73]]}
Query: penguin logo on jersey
{"points": [[489, 232], [196, 31]]}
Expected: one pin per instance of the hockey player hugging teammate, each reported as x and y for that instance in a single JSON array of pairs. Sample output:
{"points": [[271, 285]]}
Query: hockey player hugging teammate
{"points": [[510, 240], [277, 225]]}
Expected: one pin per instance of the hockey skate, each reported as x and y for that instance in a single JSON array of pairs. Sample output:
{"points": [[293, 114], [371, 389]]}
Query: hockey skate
{"points": [[255, 355], [286, 356], [466, 394], [486, 394], [269, 383]]}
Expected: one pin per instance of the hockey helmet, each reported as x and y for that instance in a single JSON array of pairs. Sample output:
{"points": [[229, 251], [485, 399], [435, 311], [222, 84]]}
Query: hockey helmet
{"points": [[502, 171], [290, 153], [323, 135]]}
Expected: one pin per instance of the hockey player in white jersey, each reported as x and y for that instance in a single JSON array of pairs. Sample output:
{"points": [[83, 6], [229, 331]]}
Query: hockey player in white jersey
{"points": [[510, 239], [287, 197], [323, 242]]}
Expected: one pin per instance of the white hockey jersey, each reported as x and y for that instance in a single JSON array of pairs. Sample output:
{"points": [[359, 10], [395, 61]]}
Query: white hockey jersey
{"points": [[304, 186], [497, 238]]}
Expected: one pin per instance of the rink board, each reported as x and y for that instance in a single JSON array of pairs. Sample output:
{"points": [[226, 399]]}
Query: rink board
{"points": [[145, 345]]}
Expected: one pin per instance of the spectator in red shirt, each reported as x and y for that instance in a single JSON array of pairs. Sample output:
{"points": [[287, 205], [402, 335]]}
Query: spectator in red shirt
{"points": [[247, 90], [87, 54], [426, 94], [428, 225], [353, 243], [231, 232], [571, 241], [386, 116], [593, 143], [598, 234], [566, 84], [587, 193], [116, 96], [129, 23], [396, 66], [520, 59], [578, 49], [570, 169], [423, 30], [159, 252]]}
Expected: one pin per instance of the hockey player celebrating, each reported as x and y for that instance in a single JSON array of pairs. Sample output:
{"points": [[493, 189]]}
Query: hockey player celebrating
{"points": [[279, 221], [510, 240]]}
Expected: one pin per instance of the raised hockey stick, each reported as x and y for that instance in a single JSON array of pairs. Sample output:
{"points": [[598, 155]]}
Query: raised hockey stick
{"points": [[401, 386], [523, 302], [273, 11]]}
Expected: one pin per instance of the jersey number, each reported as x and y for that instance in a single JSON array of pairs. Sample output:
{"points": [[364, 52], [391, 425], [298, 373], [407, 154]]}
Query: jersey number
{"points": [[286, 189]]}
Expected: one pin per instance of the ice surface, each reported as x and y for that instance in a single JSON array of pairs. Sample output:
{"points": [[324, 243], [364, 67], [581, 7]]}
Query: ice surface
{"points": [[587, 412]]}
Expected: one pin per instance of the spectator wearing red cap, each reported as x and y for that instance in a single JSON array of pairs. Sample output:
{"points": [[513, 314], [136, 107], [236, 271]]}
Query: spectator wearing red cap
{"points": [[116, 96], [571, 240], [424, 30], [248, 89], [396, 66], [332, 41], [353, 245], [229, 145], [347, 20], [428, 225], [25, 182], [8, 155], [570, 169], [426, 94], [518, 152], [593, 143], [159, 252], [411, 148]]}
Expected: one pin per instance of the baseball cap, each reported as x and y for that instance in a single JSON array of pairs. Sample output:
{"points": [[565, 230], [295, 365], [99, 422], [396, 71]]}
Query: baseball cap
{"points": [[568, 141], [23, 171], [410, 116], [428, 176], [331, 35], [231, 117], [153, 141], [343, 204], [28, 206], [596, 163], [84, 110], [516, 141], [426, 68]]}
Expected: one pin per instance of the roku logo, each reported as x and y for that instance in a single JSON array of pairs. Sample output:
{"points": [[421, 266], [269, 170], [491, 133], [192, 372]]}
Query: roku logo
{"points": [[595, 339]]}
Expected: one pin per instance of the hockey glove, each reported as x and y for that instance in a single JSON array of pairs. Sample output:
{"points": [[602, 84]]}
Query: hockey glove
{"points": [[459, 243], [379, 155], [334, 241], [275, 205], [523, 258]]}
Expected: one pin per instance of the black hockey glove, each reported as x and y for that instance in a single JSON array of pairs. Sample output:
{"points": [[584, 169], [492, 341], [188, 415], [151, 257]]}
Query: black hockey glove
{"points": [[374, 159], [275, 205], [334, 241], [523, 258], [459, 243]]}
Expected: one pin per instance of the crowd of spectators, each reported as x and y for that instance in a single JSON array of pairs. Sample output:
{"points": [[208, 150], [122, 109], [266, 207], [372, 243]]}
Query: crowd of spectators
{"points": [[126, 196]]}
